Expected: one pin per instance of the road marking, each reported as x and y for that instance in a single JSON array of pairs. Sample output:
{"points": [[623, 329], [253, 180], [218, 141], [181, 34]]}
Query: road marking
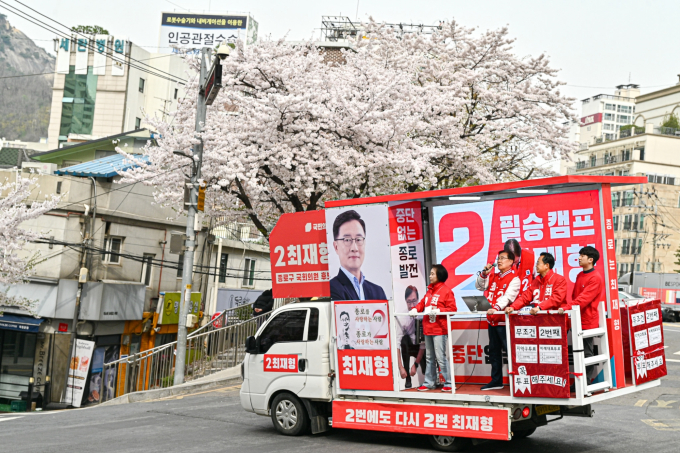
{"points": [[640, 403], [664, 404], [222, 389], [673, 360], [676, 353], [4, 419], [663, 425], [670, 330]]}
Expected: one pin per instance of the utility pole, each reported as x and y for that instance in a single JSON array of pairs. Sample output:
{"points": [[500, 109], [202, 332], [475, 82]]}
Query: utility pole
{"points": [[210, 83], [654, 241]]}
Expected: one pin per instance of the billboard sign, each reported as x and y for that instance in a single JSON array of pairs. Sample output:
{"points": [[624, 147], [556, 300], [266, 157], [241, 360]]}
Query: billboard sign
{"points": [[194, 31]]}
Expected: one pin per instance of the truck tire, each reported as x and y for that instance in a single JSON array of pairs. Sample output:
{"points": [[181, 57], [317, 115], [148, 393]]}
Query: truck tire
{"points": [[289, 415], [521, 434], [448, 443]]}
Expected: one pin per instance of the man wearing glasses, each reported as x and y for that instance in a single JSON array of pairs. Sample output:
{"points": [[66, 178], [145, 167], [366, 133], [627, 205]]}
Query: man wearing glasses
{"points": [[349, 242]]}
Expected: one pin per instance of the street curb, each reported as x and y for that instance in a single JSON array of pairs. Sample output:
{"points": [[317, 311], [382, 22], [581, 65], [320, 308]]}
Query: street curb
{"points": [[184, 389]]}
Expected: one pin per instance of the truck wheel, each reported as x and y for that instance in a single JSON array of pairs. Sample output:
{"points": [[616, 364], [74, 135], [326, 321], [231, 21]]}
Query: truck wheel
{"points": [[289, 415], [448, 443], [521, 434]]}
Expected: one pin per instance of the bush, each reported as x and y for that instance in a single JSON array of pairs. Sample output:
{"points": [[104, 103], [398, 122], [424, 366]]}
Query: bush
{"points": [[671, 120]]}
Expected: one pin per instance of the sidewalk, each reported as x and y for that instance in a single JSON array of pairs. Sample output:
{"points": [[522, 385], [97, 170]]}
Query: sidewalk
{"points": [[230, 376]]}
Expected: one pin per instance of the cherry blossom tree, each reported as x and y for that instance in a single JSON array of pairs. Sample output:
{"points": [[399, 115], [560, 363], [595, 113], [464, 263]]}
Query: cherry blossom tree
{"points": [[403, 112], [15, 265]]}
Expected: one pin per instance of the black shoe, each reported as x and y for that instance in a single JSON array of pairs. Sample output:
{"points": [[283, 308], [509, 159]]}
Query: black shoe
{"points": [[492, 386], [408, 382]]}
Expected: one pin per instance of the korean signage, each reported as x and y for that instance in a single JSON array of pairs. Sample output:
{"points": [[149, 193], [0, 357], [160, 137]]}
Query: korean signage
{"points": [[666, 296], [169, 307], [195, 31], [77, 373], [540, 364], [104, 48], [467, 236], [280, 363], [643, 342], [299, 257], [457, 421], [590, 119], [363, 345], [471, 351]]}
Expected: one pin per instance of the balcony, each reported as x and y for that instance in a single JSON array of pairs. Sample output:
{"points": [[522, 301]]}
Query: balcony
{"points": [[624, 133], [592, 163]]}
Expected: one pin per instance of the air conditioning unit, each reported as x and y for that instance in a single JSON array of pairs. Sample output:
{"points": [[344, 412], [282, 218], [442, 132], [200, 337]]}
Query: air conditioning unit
{"points": [[39, 167]]}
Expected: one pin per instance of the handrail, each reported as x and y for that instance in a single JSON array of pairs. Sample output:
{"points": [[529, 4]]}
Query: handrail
{"points": [[225, 317]]}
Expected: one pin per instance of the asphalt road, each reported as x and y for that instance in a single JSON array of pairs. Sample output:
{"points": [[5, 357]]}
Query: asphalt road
{"points": [[214, 422]]}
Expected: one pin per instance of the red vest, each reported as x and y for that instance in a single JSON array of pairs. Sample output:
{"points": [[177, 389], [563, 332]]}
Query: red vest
{"points": [[497, 287], [526, 269]]}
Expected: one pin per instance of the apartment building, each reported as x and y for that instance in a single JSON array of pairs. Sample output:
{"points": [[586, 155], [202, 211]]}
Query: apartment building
{"points": [[603, 115]]}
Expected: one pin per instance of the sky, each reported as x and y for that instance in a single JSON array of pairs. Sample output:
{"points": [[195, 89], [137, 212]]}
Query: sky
{"points": [[595, 44]]}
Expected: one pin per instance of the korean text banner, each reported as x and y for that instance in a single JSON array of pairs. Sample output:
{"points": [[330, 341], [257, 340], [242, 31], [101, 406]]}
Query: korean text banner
{"points": [[363, 345], [299, 256], [194, 31], [77, 373], [467, 236], [471, 351], [458, 421], [540, 362], [643, 342]]}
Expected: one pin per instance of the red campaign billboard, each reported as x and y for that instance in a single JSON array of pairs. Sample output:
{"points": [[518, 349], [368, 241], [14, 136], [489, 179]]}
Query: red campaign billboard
{"points": [[643, 342], [299, 256], [458, 421], [591, 119], [540, 359], [363, 345], [666, 296]]}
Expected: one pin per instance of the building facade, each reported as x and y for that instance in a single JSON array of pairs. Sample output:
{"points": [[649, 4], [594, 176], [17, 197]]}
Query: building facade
{"points": [[105, 86], [603, 115]]}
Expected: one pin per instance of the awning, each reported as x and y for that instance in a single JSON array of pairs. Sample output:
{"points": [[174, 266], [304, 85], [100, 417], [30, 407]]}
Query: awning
{"points": [[20, 323], [106, 167]]}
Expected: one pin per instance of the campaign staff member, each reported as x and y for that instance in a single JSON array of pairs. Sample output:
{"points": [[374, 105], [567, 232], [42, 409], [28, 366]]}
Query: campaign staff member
{"points": [[349, 233], [502, 288], [548, 291], [523, 262], [587, 293], [439, 298]]}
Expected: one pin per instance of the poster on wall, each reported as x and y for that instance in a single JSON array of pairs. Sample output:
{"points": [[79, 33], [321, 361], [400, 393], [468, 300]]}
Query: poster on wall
{"points": [[469, 235], [299, 251], [360, 252], [362, 330], [643, 342], [540, 361], [409, 284], [78, 370]]}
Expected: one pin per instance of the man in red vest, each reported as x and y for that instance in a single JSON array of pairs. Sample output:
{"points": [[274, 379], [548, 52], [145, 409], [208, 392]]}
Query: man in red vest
{"points": [[588, 292], [502, 288], [548, 291], [523, 264]]}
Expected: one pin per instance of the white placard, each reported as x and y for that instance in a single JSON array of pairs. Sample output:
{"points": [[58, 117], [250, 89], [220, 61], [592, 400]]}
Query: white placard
{"points": [[551, 354], [652, 315], [525, 331], [81, 45], [101, 44], [641, 340], [63, 56], [362, 326], [638, 319], [654, 335], [79, 367], [550, 333], [526, 353]]}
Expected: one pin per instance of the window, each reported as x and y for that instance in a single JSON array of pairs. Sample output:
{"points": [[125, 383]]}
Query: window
{"points": [[114, 247], [176, 91], [636, 249], [625, 247], [642, 154], [593, 160], [616, 222], [138, 123], [609, 136], [628, 198], [625, 119], [286, 327], [608, 127], [141, 85], [627, 222], [180, 265], [59, 187], [77, 103], [249, 272], [147, 268], [223, 268], [17, 354], [609, 116], [589, 128], [625, 155], [616, 199], [610, 107], [313, 330], [624, 109], [641, 222]]}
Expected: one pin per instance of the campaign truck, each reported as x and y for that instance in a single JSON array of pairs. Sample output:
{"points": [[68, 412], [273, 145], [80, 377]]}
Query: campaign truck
{"points": [[351, 354]]}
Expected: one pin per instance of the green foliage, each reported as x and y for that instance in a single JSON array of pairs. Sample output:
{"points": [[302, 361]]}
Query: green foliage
{"points": [[90, 30], [671, 120]]}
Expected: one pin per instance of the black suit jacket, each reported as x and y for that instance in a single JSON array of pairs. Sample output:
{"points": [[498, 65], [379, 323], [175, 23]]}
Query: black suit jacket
{"points": [[343, 289]]}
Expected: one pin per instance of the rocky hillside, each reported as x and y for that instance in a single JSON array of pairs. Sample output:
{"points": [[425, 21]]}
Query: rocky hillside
{"points": [[24, 101]]}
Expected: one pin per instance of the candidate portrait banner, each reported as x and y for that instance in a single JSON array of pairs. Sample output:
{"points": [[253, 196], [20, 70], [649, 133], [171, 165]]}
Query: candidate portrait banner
{"points": [[643, 342], [540, 360], [362, 330]]}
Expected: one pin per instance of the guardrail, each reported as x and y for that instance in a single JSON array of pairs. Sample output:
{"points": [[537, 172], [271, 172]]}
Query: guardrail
{"points": [[207, 352]]}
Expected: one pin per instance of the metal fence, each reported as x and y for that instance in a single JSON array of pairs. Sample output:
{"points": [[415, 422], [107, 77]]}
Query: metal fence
{"points": [[207, 352]]}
